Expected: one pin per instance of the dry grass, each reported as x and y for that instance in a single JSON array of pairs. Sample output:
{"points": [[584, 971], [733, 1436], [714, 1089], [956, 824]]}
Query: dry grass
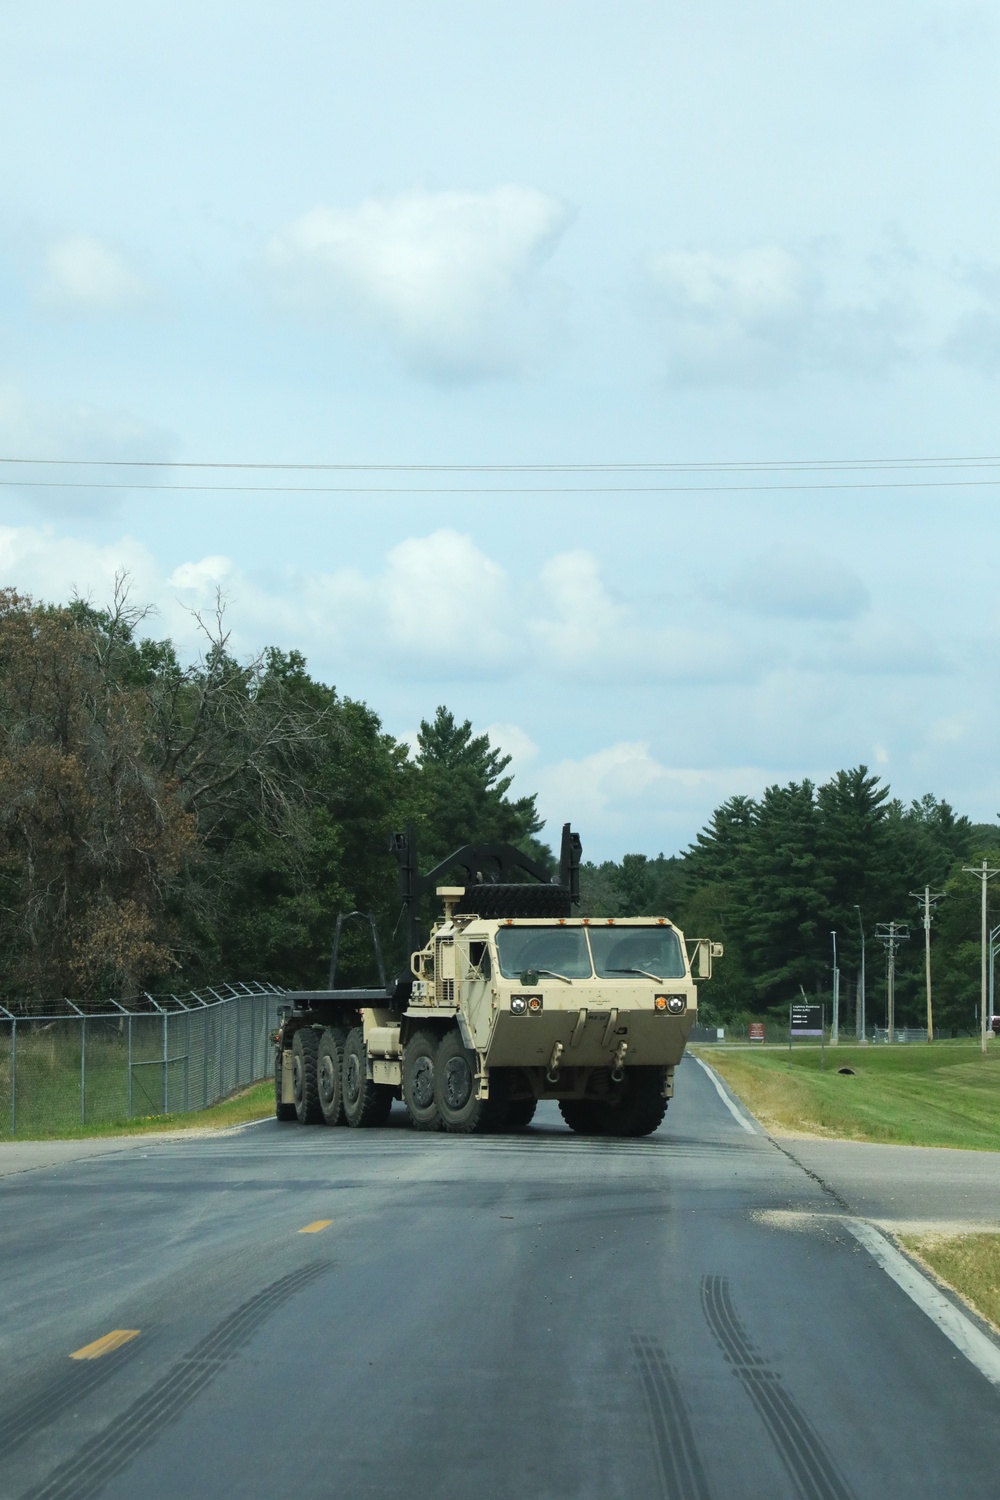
{"points": [[968, 1262]]}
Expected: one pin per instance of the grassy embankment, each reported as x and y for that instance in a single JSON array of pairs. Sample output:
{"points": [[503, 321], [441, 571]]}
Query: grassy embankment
{"points": [[942, 1094], [945, 1094], [253, 1103]]}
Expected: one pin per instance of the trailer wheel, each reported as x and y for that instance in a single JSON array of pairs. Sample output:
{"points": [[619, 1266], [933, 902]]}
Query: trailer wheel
{"points": [[419, 1080], [281, 1111], [330, 1074], [305, 1043], [365, 1103], [520, 1113], [455, 1090]]}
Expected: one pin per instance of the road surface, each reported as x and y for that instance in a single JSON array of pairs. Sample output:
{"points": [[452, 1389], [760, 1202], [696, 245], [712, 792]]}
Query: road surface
{"points": [[307, 1313]]}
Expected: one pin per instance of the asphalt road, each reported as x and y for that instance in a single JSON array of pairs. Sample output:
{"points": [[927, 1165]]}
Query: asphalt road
{"points": [[536, 1316]]}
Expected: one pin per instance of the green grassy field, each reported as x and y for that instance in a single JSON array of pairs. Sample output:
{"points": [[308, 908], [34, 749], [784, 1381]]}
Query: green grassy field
{"points": [[918, 1094]]}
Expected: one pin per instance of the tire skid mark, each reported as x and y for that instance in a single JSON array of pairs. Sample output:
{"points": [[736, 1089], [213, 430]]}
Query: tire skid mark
{"points": [[87, 1472], [799, 1446], [681, 1472], [46, 1405]]}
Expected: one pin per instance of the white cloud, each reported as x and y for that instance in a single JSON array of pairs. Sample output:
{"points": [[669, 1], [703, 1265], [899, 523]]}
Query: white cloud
{"points": [[765, 314], [85, 275], [451, 277], [798, 583]]}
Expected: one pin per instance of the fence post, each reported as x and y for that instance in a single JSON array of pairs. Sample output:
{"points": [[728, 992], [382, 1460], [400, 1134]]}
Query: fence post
{"points": [[13, 1077], [165, 1055], [237, 1080], [187, 1059], [83, 1070], [206, 1013], [130, 1065]]}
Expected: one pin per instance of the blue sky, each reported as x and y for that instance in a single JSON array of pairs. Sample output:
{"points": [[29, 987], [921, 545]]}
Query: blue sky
{"points": [[530, 234]]}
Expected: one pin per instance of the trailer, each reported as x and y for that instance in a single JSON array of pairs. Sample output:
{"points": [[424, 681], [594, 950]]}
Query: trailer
{"points": [[509, 999]]}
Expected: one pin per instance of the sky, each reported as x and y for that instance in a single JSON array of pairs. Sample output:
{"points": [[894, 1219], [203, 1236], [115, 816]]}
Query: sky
{"points": [[643, 350]]}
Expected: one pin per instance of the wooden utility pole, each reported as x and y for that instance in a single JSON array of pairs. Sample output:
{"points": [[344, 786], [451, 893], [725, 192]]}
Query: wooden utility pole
{"points": [[927, 900]]}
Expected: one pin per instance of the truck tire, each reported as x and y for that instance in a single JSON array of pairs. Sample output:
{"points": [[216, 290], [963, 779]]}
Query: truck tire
{"points": [[330, 1074], [305, 1043], [366, 1104], [455, 1091], [281, 1111], [520, 1113], [419, 1080], [586, 1116], [642, 1107]]}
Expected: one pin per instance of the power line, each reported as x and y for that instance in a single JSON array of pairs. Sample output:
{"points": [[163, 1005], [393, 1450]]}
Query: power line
{"points": [[963, 461], [482, 489]]}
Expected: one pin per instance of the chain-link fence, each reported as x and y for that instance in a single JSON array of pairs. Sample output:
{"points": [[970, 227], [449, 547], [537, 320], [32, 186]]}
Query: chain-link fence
{"points": [[84, 1065]]}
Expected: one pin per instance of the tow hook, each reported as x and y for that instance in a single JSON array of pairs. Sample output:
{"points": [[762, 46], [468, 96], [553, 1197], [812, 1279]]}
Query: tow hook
{"points": [[618, 1067], [552, 1071]]}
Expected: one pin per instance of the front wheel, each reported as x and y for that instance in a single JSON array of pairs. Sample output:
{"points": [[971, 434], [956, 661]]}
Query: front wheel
{"points": [[420, 1063], [365, 1103], [455, 1090]]}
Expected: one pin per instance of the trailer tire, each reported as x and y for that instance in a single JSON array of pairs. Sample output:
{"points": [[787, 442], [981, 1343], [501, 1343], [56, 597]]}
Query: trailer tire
{"points": [[420, 1062], [330, 1074], [281, 1111], [520, 1113], [455, 1091], [305, 1043], [366, 1104]]}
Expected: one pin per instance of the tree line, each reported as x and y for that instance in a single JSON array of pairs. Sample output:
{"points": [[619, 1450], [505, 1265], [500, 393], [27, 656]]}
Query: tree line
{"points": [[166, 824], [774, 877]]}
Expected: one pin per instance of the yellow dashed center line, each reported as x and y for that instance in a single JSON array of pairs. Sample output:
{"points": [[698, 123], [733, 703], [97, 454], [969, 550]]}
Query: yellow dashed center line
{"points": [[316, 1226], [112, 1340]]}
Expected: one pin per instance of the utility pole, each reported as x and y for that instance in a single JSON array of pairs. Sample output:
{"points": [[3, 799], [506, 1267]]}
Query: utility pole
{"points": [[860, 1018], [890, 935], [984, 873], [835, 1013], [928, 900]]}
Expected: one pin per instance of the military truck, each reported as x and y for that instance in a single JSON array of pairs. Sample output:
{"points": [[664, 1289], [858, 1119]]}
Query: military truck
{"points": [[508, 999]]}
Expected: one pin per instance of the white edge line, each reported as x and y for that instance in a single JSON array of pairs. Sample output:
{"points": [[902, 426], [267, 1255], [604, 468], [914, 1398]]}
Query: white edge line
{"points": [[963, 1333], [736, 1113]]}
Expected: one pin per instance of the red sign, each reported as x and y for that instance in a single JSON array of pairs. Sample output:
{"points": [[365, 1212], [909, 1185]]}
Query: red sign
{"points": [[756, 1031]]}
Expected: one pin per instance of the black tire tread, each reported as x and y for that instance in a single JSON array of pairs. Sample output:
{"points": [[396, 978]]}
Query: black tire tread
{"points": [[305, 1043]]}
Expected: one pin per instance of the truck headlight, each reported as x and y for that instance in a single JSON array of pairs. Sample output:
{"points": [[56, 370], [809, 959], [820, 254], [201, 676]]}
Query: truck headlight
{"points": [[673, 1005], [518, 1005]]}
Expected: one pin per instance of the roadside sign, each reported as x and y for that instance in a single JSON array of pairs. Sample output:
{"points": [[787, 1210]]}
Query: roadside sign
{"points": [[806, 1020], [756, 1031]]}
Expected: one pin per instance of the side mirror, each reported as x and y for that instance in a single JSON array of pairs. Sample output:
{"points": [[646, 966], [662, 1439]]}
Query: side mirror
{"points": [[701, 951]]}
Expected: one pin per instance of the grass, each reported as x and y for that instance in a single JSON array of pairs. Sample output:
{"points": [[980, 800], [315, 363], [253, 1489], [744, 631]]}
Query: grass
{"points": [[253, 1103], [939, 1094], [968, 1262]]}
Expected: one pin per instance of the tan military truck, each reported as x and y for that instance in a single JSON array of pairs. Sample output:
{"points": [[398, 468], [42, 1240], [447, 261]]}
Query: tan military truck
{"points": [[510, 999]]}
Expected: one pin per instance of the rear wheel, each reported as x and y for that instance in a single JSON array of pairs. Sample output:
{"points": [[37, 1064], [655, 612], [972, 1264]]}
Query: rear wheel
{"points": [[642, 1106], [585, 1116], [330, 1074], [455, 1091], [304, 1047], [420, 1061], [520, 1113], [281, 1111], [365, 1103]]}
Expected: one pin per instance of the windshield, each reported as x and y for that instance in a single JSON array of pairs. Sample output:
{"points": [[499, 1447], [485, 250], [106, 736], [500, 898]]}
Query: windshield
{"points": [[560, 950], [637, 951]]}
